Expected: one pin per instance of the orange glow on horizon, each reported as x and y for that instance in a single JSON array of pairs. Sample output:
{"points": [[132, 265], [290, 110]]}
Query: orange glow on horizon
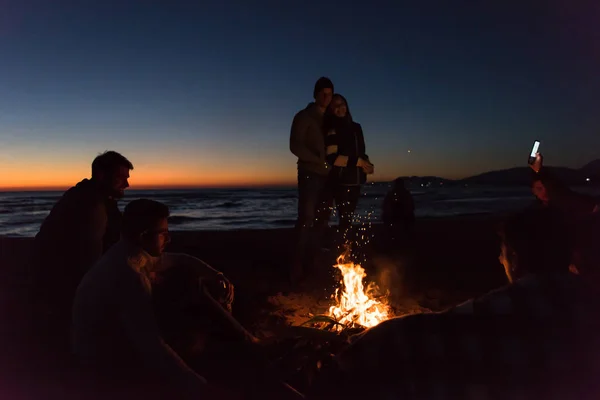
{"points": [[178, 168], [146, 182], [61, 177], [152, 172], [40, 188]]}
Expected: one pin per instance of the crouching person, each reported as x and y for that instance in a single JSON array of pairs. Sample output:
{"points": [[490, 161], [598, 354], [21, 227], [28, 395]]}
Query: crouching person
{"points": [[115, 330]]}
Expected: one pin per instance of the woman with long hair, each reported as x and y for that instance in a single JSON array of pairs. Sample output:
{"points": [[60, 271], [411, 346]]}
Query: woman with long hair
{"points": [[345, 147]]}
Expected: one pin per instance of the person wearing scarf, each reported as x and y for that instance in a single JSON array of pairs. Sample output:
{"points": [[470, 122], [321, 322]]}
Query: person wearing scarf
{"points": [[345, 148]]}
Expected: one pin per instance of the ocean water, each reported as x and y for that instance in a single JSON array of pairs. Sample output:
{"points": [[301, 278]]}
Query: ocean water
{"points": [[21, 213]]}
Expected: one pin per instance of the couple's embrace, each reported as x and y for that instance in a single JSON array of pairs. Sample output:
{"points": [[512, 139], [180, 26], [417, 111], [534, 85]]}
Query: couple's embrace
{"points": [[332, 167]]}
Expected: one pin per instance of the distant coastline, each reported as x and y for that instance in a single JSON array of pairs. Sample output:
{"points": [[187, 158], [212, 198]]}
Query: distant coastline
{"points": [[588, 175]]}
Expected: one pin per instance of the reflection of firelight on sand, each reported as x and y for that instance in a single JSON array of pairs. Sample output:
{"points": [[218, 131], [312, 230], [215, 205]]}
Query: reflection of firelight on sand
{"points": [[356, 306]]}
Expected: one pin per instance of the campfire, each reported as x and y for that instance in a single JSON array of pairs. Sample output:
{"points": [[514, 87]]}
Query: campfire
{"points": [[312, 345], [356, 307]]}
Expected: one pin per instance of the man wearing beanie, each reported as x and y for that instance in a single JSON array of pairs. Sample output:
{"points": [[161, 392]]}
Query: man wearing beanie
{"points": [[307, 143]]}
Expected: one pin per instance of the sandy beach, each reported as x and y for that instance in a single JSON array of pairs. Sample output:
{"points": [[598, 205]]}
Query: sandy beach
{"points": [[453, 259]]}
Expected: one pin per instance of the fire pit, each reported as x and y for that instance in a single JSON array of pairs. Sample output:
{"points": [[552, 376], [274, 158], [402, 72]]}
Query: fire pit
{"points": [[355, 304], [356, 307], [307, 346]]}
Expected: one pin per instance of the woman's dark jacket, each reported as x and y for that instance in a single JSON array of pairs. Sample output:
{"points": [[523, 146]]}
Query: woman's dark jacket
{"points": [[344, 138]]}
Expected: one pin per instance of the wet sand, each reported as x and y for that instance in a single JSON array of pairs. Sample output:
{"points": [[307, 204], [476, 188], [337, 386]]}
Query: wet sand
{"points": [[452, 260]]}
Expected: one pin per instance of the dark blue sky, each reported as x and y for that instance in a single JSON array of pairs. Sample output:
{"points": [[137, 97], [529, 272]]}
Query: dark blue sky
{"points": [[205, 93]]}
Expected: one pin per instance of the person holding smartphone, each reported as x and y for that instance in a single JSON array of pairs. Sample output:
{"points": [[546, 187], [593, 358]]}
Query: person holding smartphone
{"points": [[345, 147], [579, 212]]}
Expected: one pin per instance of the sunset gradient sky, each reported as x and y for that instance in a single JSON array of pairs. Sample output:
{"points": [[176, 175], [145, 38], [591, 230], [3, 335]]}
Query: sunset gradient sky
{"points": [[204, 94]]}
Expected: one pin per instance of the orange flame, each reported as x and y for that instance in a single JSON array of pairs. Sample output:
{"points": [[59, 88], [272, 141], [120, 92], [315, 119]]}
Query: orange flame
{"points": [[355, 306]]}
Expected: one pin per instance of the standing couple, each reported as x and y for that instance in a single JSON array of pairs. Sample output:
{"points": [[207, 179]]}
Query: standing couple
{"points": [[332, 166]]}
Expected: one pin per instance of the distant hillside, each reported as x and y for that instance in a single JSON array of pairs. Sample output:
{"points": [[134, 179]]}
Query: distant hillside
{"points": [[592, 169], [522, 175], [516, 176]]}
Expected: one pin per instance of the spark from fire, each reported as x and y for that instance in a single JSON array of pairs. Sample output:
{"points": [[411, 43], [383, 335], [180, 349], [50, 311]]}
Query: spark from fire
{"points": [[356, 306]]}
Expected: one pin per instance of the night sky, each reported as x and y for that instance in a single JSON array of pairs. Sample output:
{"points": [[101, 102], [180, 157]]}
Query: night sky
{"points": [[205, 94]]}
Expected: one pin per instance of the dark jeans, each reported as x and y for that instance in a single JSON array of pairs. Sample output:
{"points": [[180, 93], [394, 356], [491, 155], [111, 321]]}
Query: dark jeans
{"points": [[346, 200], [310, 199]]}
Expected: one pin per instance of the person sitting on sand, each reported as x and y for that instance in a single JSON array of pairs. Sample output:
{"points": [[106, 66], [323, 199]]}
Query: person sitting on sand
{"points": [[535, 338], [115, 330], [398, 214], [578, 213], [81, 226]]}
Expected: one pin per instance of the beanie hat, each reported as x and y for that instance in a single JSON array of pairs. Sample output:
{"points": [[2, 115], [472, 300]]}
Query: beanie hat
{"points": [[322, 83]]}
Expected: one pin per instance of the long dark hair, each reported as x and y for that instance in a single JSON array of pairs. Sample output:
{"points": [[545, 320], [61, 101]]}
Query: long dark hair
{"points": [[331, 121]]}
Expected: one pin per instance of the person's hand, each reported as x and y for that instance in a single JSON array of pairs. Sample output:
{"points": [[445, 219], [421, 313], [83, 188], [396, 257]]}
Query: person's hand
{"points": [[341, 161], [573, 269], [220, 289], [538, 163], [366, 166]]}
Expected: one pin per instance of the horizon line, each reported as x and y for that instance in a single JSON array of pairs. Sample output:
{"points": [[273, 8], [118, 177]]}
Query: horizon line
{"points": [[142, 187], [57, 188], [51, 188]]}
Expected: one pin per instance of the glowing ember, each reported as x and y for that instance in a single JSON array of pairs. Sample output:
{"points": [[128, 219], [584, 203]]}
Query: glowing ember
{"points": [[355, 306]]}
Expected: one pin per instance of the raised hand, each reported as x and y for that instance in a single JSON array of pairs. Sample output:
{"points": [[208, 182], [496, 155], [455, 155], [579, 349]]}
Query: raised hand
{"points": [[538, 163]]}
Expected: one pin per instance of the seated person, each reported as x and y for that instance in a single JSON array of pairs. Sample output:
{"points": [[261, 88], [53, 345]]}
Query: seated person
{"points": [[535, 338], [115, 330], [578, 212], [551, 192], [81, 226]]}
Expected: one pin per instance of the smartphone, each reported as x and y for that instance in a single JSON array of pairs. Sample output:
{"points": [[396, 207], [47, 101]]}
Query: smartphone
{"points": [[534, 151]]}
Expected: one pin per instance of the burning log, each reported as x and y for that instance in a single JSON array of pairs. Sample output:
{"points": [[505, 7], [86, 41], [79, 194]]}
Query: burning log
{"points": [[302, 351], [355, 308]]}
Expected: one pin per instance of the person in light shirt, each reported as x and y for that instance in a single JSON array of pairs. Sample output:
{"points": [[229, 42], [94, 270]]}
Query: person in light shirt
{"points": [[116, 333]]}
